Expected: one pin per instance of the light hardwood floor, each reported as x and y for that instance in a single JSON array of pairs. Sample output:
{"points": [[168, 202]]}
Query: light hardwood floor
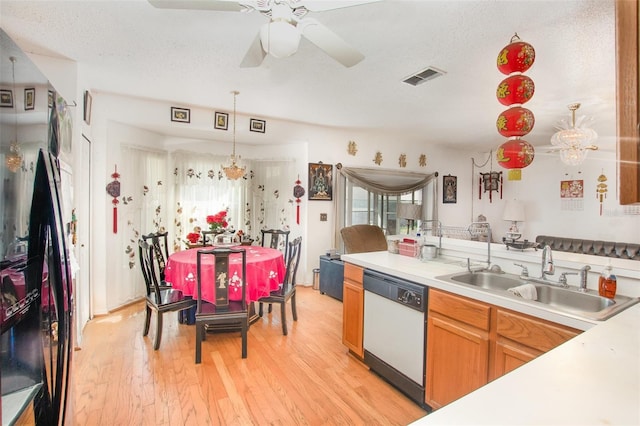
{"points": [[306, 377]]}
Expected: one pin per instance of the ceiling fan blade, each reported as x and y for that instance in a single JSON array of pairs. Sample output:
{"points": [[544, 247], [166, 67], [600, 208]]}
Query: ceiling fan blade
{"points": [[330, 42], [255, 55], [322, 5], [220, 5]]}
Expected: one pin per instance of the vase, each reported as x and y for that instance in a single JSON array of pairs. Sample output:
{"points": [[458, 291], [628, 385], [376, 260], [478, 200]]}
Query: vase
{"points": [[226, 238]]}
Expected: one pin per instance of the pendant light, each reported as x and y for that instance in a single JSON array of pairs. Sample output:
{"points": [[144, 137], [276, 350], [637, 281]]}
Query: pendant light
{"points": [[233, 171], [13, 160], [574, 140]]}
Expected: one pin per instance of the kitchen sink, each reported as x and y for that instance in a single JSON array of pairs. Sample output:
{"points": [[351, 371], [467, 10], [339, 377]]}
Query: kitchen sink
{"points": [[569, 300], [487, 280]]}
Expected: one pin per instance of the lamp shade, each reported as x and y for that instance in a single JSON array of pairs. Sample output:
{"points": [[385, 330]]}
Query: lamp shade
{"points": [[514, 211], [516, 89], [517, 56], [516, 121], [409, 211], [279, 38]]}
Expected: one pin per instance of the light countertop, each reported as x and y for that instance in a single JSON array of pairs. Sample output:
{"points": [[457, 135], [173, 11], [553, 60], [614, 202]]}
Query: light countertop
{"points": [[593, 378]]}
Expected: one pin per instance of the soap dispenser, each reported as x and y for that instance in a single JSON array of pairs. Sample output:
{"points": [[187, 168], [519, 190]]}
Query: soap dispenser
{"points": [[607, 283]]}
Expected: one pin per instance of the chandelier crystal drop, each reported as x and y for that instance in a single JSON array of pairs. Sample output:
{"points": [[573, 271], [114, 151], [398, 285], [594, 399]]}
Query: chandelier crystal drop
{"points": [[13, 160], [233, 171]]}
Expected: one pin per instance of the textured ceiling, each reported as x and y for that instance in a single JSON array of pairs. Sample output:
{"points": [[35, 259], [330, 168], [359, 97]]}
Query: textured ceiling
{"points": [[191, 58]]}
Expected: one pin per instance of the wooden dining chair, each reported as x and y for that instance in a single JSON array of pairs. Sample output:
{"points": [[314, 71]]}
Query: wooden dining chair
{"points": [[160, 250], [288, 288], [224, 314], [158, 300], [276, 239]]}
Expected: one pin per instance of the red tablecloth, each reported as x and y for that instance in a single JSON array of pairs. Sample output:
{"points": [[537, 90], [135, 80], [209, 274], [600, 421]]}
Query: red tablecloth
{"points": [[265, 273]]}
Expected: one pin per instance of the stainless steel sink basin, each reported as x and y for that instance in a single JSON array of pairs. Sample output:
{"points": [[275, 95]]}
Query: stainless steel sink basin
{"points": [[588, 305], [486, 280]]}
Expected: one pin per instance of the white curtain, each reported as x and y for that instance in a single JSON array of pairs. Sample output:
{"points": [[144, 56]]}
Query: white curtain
{"points": [[260, 200], [142, 209]]}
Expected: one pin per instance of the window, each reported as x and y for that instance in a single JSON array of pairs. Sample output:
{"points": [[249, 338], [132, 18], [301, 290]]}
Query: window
{"points": [[372, 196]]}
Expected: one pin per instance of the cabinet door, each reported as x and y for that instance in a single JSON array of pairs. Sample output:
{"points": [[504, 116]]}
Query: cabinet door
{"points": [[457, 359], [510, 355], [353, 317]]}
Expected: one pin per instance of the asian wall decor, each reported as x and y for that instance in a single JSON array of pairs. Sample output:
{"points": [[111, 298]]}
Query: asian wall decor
{"points": [[450, 191], [422, 160], [572, 194], [182, 115], [378, 158], [221, 120], [352, 148], [320, 181]]}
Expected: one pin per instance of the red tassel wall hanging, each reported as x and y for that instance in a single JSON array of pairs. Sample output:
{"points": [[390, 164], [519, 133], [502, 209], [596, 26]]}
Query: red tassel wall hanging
{"points": [[113, 189], [298, 192]]}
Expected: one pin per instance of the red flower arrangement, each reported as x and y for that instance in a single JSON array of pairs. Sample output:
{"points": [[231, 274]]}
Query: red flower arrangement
{"points": [[218, 220], [193, 237]]}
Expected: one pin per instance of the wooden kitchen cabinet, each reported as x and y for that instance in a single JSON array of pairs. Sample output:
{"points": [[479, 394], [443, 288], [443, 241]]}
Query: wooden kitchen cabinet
{"points": [[457, 357], [353, 309], [521, 338], [470, 343]]}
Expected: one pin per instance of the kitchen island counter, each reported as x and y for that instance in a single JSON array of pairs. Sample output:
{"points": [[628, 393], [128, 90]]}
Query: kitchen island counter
{"points": [[593, 378]]}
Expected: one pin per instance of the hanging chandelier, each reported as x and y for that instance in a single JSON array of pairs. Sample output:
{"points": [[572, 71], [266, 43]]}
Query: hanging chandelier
{"points": [[13, 159], [573, 141], [233, 171]]}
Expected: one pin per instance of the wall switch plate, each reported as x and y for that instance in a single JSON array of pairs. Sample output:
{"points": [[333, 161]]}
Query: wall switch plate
{"points": [[323, 217]]}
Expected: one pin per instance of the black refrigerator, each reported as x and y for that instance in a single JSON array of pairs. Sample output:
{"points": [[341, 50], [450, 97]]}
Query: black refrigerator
{"points": [[36, 317]]}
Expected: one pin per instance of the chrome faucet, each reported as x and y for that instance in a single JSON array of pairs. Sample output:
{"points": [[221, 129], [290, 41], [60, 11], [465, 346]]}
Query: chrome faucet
{"points": [[583, 278], [547, 263]]}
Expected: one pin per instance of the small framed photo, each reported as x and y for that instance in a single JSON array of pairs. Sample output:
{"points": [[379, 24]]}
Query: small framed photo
{"points": [[50, 99], [257, 125], [88, 100], [222, 120], [320, 181], [183, 115], [6, 98], [29, 98], [450, 192]]}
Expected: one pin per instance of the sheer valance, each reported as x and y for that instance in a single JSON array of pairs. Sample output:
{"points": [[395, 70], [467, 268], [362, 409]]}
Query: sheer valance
{"points": [[389, 182]]}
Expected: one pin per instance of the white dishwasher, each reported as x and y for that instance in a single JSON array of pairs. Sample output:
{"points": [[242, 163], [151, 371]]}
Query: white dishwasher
{"points": [[395, 331]]}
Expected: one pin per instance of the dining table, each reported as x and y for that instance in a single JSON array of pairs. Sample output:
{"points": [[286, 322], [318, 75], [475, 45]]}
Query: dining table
{"points": [[265, 273]]}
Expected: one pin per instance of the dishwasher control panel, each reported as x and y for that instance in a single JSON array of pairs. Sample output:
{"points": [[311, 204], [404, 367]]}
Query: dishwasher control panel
{"points": [[410, 298]]}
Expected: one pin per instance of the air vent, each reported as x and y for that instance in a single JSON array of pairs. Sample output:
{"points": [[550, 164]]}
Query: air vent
{"points": [[424, 75]]}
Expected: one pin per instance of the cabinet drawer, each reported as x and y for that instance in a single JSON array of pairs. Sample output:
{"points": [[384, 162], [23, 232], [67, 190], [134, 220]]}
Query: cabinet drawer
{"points": [[465, 310], [353, 273], [535, 333]]}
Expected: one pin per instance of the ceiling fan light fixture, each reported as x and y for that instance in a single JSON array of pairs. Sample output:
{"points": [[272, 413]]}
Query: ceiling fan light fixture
{"points": [[280, 38]]}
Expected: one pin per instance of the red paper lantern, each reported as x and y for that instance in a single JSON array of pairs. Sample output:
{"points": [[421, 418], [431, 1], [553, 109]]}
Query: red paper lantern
{"points": [[517, 56], [515, 154], [516, 121], [516, 89]]}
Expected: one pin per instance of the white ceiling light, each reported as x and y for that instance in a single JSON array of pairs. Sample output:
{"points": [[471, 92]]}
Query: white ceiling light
{"points": [[280, 38], [574, 140]]}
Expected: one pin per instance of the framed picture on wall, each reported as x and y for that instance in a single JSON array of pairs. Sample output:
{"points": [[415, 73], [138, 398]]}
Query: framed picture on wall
{"points": [[6, 98], [320, 181], [29, 99], [221, 120], [182, 115], [257, 125], [450, 189]]}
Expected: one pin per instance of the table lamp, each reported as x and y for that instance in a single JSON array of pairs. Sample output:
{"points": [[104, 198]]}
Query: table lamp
{"points": [[411, 212], [514, 211]]}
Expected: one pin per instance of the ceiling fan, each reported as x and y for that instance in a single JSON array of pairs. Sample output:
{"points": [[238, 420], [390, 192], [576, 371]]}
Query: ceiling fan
{"points": [[280, 37]]}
